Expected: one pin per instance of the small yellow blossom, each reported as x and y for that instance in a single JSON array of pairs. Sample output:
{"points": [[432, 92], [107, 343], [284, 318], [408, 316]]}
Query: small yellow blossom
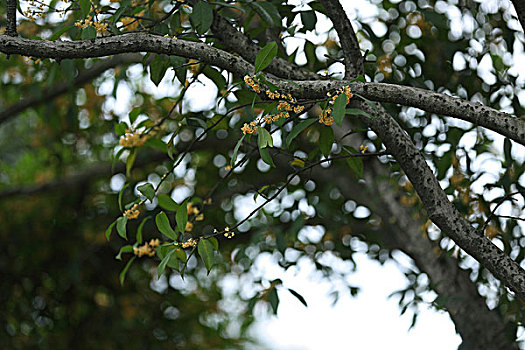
{"points": [[132, 213], [133, 139], [363, 149]]}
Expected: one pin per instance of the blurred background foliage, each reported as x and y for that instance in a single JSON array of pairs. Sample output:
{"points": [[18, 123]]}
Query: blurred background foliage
{"points": [[59, 180]]}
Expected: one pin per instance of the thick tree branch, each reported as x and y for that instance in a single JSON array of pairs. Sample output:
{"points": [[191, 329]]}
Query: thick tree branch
{"points": [[439, 209], [353, 57], [429, 101], [129, 42], [238, 42], [61, 88], [11, 18], [479, 327], [519, 6]]}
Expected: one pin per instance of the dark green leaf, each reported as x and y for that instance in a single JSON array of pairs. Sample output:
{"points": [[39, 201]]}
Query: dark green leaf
{"points": [[215, 76], [268, 12], [338, 112], [273, 299], [133, 115], [236, 150], [507, 147], [130, 161], [85, 7], [214, 242], [309, 19], [298, 296], [202, 17], [89, 33], [164, 262], [139, 230], [121, 226], [166, 202], [147, 190], [297, 129], [265, 56], [125, 270], [120, 128], [356, 111], [109, 229], [265, 156], [205, 249], [120, 196], [326, 139], [163, 224], [125, 249], [157, 68], [182, 216]]}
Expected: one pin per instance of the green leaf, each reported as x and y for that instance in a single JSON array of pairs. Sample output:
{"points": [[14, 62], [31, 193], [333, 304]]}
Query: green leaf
{"points": [[130, 161], [121, 226], [202, 17], [268, 12], [326, 139], [370, 103], [109, 229], [139, 230], [215, 76], [163, 224], [507, 147], [358, 78], [85, 7], [297, 129], [205, 249], [181, 254], [157, 144], [164, 262], [264, 139], [236, 150], [125, 270], [354, 163], [88, 33], [309, 19], [298, 296], [147, 190], [338, 112], [214, 242], [356, 111], [273, 299], [120, 128], [125, 249], [265, 56], [265, 156], [120, 196], [157, 68], [182, 216], [166, 202], [133, 115]]}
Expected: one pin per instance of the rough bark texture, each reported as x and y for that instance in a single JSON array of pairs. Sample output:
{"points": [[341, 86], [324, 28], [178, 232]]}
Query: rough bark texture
{"points": [[353, 58], [11, 18]]}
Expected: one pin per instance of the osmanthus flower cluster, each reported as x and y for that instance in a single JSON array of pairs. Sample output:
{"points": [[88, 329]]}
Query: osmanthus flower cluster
{"points": [[288, 104]]}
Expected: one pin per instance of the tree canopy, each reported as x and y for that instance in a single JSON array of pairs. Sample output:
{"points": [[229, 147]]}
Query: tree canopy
{"points": [[396, 128]]}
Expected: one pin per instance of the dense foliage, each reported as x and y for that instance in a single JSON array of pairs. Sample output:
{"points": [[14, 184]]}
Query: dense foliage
{"points": [[156, 124]]}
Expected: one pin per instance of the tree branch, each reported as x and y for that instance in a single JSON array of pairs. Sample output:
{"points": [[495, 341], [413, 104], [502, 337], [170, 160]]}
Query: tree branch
{"points": [[353, 57], [129, 42], [429, 101], [238, 42], [61, 88], [439, 209], [519, 6], [11, 18]]}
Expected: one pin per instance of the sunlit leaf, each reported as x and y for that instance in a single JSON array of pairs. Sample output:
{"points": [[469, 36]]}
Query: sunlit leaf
{"points": [[265, 56], [297, 129], [147, 190], [205, 249], [121, 226], [163, 224]]}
